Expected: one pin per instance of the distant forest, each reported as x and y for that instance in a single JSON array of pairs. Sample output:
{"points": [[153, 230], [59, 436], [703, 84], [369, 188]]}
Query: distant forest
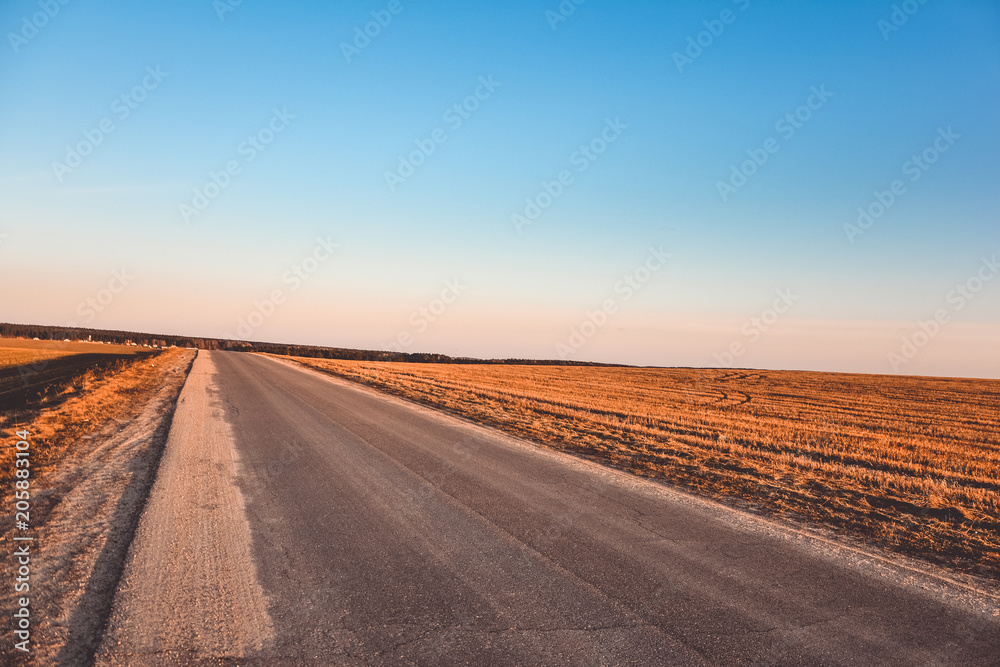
{"points": [[44, 332]]}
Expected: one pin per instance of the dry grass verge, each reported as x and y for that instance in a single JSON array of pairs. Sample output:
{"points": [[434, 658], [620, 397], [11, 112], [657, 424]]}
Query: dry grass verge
{"points": [[909, 464]]}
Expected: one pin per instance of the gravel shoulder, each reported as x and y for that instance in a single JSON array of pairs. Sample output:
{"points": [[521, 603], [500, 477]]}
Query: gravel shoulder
{"points": [[190, 575]]}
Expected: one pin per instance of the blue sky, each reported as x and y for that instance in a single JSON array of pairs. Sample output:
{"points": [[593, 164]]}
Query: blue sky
{"points": [[555, 89]]}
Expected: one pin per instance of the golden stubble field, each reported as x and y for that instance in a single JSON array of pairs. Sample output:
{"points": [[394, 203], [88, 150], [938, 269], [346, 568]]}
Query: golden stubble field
{"points": [[34, 373], [13, 348], [910, 464], [60, 391], [25, 359]]}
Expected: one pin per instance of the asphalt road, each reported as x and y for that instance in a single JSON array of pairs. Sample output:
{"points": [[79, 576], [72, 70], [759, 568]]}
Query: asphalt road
{"points": [[301, 520]]}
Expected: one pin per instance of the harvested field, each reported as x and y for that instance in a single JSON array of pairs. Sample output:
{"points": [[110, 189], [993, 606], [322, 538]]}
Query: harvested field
{"points": [[59, 347], [906, 463], [37, 372], [15, 356], [67, 393]]}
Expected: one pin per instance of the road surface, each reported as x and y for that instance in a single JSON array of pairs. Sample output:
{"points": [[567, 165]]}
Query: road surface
{"points": [[298, 519]]}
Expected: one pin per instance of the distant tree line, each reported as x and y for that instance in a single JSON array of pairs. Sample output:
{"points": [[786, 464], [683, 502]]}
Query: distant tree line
{"points": [[44, 332]]}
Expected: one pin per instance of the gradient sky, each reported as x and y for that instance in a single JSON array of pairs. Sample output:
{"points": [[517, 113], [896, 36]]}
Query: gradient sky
{"points": [[521, 293]]}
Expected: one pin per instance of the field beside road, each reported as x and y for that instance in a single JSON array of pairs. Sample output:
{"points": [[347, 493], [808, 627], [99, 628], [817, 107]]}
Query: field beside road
{"points": [[36, 372], [905, 463], [63, 390], [40, 349]]}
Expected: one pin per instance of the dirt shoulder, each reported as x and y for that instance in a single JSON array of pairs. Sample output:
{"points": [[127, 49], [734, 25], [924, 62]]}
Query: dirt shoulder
{"points": [[93, 460], [191, 565]]}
